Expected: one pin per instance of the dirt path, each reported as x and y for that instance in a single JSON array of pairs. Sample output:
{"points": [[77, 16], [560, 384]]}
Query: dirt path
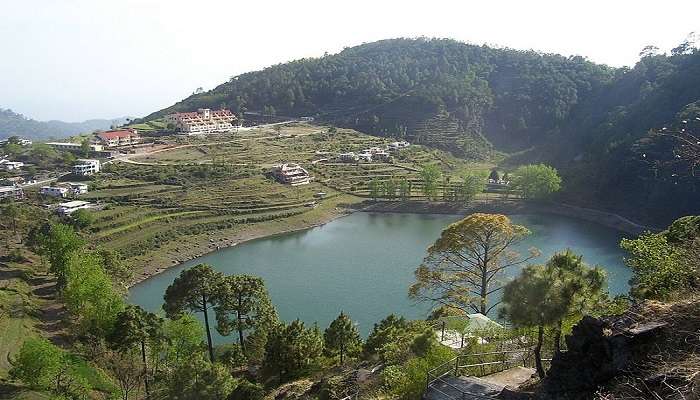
{"points": [[29, 306]]}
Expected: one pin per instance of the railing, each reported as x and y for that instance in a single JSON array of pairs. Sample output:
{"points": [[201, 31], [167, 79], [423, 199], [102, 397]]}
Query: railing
{"points": [[486, 363]]}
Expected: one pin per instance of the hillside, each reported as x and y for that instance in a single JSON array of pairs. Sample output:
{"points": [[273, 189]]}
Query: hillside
{"points": [[582, 117], [14, 124], [394, 87]]}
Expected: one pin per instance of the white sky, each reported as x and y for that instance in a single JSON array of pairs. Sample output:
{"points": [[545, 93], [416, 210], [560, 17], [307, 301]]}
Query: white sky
{"points": [[80, 59]]}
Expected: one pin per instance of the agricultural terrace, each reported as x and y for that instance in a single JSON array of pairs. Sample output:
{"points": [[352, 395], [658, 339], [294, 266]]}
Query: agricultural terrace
{"points": [[198, 194]]}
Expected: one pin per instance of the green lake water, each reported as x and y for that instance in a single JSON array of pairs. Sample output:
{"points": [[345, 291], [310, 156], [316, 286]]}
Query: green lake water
{"points": [[363, 264]]}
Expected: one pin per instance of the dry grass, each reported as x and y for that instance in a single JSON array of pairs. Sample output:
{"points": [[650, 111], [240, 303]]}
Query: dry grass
{"points": [[671, 367]]}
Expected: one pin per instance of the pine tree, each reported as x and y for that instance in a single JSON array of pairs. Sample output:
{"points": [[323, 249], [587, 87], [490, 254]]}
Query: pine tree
{"points": [[193, 290], [242, 303], [341, 337]]}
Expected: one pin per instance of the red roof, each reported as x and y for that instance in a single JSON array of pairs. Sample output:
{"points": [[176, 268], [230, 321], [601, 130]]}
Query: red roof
{"points": [[116, 134]]}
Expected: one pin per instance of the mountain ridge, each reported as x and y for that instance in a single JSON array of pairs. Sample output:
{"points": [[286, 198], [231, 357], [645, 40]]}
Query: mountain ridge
{"points": [[15, 124]]}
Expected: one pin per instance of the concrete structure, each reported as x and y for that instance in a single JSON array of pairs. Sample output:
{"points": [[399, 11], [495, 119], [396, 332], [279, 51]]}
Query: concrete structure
{"points": [[397, 145], [54, 191], [348, 157], [291, 174], [21, 142], [85, 167], [381, 156], [8, 165], [203, 121], [72, 206], [77, 188], [120, 137], [73, 147], [11, 192]]}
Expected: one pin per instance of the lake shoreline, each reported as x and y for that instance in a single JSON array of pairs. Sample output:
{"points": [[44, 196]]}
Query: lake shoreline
{"points": [[207, 245], [604, 218], [232, 239]]}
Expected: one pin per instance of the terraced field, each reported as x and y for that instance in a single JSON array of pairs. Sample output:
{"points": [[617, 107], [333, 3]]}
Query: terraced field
{"points": [[199, 193]]}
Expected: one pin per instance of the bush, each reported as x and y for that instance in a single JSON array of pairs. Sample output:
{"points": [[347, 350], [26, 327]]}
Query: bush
{"points": [[247, 391], [42, 365], [660, 268]]}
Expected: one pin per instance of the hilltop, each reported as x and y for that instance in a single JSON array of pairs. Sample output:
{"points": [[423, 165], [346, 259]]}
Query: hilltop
{"points": [[14, 124], [479, 101]]}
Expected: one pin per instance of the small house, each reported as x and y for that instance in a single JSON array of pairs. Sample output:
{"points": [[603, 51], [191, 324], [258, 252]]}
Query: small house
{"points": [[77, 188], [72, 206], [54, 191]]}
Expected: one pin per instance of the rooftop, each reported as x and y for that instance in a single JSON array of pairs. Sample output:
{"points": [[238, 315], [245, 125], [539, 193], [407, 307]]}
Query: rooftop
{"points": [[116, 134], [73, 204]]}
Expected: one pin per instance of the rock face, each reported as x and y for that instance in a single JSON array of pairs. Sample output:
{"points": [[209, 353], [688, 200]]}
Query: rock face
{"points": [[598, 350]]}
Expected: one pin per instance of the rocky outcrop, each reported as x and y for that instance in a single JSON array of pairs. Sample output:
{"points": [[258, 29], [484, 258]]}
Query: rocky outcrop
{"points": [[651, 351], [597, 352]]}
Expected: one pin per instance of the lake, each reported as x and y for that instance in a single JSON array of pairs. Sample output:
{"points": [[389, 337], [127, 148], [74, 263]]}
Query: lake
{"points": [[363, 264]]}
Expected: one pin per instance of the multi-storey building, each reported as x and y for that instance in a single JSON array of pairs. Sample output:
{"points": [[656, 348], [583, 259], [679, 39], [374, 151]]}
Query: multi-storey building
{"points": [[84, 167], [203, 121], [292, 174]]}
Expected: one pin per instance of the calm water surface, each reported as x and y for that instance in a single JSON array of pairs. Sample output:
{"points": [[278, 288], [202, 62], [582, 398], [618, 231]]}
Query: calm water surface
{"points": [[363, 264]]}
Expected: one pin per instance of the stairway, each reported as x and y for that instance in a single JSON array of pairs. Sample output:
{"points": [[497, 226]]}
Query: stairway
{"points": [[473, 388]]}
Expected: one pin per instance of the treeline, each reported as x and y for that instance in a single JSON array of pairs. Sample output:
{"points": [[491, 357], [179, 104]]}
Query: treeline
{"points": [[534, 181]]}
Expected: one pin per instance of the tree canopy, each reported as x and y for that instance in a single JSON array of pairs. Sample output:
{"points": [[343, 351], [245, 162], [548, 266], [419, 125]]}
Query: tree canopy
{"points": [[463, 267], [536, 181]]}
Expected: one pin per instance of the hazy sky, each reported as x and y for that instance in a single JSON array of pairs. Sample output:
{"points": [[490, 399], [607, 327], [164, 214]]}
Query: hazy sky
{"points": [[80, 59]]}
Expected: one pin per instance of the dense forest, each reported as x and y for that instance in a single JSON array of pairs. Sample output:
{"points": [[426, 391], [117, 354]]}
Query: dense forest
{"points": [[14, 124], [583, 117]]}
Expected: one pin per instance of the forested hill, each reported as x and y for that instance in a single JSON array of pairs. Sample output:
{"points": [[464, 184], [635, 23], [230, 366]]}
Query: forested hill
{"points": [[442, 92], [14, 124], [589, 120]]}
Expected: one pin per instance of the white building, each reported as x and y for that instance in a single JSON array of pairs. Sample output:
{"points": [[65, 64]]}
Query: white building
{"points": [[365, 156], [77, 188], [8, 165], [54, 191], [11, 192], [21, 142], [292, 174], [85, 167], [72, 206], [398, 145], [203, 121], [67, 146], [381, 156]]}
